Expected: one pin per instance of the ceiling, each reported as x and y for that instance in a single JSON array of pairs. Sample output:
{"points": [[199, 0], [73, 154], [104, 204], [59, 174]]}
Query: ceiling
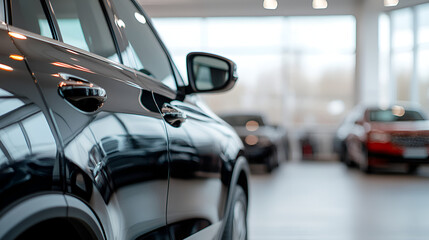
{"points": [[215, 8]]}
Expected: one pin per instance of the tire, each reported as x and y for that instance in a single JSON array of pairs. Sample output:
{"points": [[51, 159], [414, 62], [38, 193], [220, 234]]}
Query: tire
{"points": [[412, 168], [364, 166], [236, 224], [343, 152], [348, 161], [270, 164]]}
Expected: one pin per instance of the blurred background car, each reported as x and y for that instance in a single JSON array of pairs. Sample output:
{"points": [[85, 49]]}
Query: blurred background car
{"points": [[382, 137], [264, 144], [343, 130]]}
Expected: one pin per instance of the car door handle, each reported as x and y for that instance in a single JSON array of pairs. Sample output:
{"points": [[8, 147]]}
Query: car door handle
{"points": [[172, 115], [82, 94]]}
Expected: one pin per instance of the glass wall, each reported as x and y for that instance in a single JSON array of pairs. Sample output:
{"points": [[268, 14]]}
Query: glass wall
{"points": [[409, 53], [422, 52], [295, 70]]}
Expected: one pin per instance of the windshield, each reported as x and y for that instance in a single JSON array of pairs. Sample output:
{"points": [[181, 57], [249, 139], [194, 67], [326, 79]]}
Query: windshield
{"points": [[390, 115]]}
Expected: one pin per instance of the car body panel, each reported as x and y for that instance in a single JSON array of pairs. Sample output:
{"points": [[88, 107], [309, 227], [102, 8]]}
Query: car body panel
{"points": [[112, 146], [29, 163], [120, 167]]}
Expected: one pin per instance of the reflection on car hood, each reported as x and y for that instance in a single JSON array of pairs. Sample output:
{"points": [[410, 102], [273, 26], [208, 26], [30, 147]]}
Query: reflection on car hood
{"points": [[400, 126]]}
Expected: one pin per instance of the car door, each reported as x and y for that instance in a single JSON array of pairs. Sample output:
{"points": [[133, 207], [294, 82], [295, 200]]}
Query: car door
{"points": [[29, 166], [199, 156], [114, 140]]}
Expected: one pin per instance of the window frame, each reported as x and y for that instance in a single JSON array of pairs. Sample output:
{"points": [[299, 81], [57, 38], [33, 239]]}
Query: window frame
{"points": [[56, 32]]}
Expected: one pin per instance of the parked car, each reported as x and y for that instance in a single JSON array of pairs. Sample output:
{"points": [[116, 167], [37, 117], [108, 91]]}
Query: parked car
{"points": [[264, 144], [344, 129], [100, 138], [381, 137]]}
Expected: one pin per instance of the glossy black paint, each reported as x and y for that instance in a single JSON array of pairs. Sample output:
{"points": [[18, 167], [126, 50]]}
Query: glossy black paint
{"points": [[148, 161], [28, 161]]}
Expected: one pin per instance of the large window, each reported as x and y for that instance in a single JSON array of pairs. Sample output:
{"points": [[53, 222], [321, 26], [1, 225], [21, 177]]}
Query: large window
{"points": [[422, 70], [402, 52], [409, 52], [290, 68]]}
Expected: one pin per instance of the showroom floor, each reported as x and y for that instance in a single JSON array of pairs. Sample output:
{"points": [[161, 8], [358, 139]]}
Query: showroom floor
{"points": [[323, 200]]}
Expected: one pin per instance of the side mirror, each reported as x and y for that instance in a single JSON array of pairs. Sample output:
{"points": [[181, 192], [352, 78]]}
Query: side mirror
{"points": [[210, 73]]}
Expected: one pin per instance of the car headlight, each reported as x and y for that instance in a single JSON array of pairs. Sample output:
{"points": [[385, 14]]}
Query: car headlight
{"points": [[379, 137], [253, 140]]}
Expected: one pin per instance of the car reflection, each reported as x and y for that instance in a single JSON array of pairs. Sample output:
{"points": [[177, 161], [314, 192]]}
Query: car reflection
{"points": [[27, 149], [124, 159], [264, 144]]}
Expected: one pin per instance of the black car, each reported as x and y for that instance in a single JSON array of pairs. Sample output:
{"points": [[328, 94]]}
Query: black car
{"points": [[264, 144], [100, 138]]}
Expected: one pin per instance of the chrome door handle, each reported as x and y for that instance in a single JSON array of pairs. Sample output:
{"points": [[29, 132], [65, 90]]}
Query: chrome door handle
{"points": [[84, 95], [172, 115]]}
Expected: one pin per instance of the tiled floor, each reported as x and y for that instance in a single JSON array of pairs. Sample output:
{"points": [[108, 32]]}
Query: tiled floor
{"points": [[326, 201]]}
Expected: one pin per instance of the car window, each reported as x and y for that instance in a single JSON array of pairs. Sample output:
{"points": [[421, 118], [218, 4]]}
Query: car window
{"points": [[390, 115], [29, 15], [149, 56], [83, 24]]}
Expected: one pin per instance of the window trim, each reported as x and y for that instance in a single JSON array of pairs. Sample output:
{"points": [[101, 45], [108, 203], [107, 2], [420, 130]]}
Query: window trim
{"points": [[52, 20], [55, 29], [109, 23]]}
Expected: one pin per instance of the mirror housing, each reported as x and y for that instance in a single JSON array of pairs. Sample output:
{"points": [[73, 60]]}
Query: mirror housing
{"points": [[209, 73]]}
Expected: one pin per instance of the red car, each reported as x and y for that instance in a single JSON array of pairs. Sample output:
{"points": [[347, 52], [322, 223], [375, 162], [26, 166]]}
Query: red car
{"points": [[381, 137]]}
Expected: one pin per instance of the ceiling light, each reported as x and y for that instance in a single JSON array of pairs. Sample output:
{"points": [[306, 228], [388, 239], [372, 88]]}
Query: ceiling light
{"points": [[320, 4], [270, 4], [391, 3]]}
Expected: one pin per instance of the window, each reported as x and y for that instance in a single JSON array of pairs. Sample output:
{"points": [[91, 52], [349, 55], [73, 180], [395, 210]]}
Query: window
{"points": [[407, 74], [82, 24], [423, 55], [402, 52], [148, 54], [29, 15]]}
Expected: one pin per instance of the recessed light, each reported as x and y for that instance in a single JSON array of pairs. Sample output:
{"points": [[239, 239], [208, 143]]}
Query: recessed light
{"points": [[270, 4], [391, 3], [320, 4]]}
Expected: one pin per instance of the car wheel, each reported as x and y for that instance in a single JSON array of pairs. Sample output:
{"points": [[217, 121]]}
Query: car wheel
{"points": [[364, 164], [412, 168], [348, 160], [269, 163], [343, 152], [236, 225]]}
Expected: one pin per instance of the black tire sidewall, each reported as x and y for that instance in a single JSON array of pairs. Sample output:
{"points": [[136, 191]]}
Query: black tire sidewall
{"points": [[239, 195]]}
